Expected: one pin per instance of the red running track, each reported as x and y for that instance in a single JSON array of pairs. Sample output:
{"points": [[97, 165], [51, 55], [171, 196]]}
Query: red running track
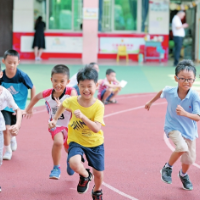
{"points": [[135, 152]]}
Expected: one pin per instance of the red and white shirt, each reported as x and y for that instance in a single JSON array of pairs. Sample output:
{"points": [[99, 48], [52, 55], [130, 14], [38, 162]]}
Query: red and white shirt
{"points": [[52, 107]]}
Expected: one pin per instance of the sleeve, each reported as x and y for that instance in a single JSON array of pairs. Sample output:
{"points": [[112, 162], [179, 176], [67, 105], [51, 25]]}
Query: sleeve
{"points": [[99, 114], [67, 103], [27, 81], [10, 101], [46, 93], [165, 92], [196, 104]]}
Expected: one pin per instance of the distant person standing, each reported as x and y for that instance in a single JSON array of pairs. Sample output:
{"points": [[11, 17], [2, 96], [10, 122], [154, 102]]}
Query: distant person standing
{"points": [[178, 34], [39, 41]]}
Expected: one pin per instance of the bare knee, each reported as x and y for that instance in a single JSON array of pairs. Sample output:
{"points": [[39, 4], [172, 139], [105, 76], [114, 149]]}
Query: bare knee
{"points": [[98, 174], [58, 144], [74, 163]]}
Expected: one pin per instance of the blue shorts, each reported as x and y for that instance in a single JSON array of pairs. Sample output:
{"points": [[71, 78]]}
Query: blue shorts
{"points": [[94, 155], [102, 94], [77, 89]]}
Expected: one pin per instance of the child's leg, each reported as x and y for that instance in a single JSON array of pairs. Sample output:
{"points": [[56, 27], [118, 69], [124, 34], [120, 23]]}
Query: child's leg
{"points": [[98, 179], [115, 93], [36, 52], [7, 136], [57, 148], [174, 157], [76, 164], [106, 94], [1, 147]]}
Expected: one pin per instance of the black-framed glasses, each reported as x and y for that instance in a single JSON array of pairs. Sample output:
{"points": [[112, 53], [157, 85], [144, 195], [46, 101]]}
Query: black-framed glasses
{"points": [[189, 80]]}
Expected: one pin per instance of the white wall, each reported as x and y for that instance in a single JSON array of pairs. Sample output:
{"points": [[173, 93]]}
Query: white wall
{"points": [[23, 16]]}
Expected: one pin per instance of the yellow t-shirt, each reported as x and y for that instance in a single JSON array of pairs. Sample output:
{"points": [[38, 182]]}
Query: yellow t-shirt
{"points": [[77, 130]]}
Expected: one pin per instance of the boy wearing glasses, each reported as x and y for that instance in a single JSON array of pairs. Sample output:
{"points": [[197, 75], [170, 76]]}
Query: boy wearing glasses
{"points": [[183, 112]]}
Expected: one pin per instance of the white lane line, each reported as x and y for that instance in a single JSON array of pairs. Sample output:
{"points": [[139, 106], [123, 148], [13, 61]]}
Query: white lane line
{"points": [[119, 192], [167, 142]]}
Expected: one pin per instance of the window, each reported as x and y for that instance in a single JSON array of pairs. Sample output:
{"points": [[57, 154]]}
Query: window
{"points": [[40, 9], [65, 14], [123, 15]]}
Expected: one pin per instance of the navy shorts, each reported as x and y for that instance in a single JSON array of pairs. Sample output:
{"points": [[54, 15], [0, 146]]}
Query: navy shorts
{"points": [[94, 155], [77, 89], [9, 118], [102, 94]]}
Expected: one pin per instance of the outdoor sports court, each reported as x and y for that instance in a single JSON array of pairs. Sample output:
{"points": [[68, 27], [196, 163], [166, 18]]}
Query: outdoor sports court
{"points": [[135, 146]]}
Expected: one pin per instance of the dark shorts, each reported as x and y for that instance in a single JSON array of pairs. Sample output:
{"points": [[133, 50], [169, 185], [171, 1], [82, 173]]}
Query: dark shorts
{"points": [[77, 89], [94, 155], [102, 94], [9, 118]]}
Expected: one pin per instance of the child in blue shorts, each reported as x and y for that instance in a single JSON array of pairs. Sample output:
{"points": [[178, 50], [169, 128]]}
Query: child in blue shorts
{"points": [[84, 132], [17, 83], [183, 112]]}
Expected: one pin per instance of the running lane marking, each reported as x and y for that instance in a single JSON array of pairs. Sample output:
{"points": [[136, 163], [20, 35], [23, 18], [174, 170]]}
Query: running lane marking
{"points": [[109, 115]]}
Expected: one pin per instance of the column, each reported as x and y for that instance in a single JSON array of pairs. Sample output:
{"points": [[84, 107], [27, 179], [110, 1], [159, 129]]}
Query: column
{"points": [[90, 32]]}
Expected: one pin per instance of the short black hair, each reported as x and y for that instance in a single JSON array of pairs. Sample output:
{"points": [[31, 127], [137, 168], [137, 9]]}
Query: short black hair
{"points": [[109, 71], [60, 69], [187, 65], [11, 52], [87, 73]]}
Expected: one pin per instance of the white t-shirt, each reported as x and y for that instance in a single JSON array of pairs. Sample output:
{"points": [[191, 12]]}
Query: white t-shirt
{"points": [[6, 100], [73, 81], [176, 22]]}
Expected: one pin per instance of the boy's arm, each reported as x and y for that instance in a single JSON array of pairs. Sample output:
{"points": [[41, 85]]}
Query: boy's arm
{"points": [[180, 111], [14, 129], [111, 85], [34, 100], [94, 126], [60, 110], [33, 91], [148, 104]]}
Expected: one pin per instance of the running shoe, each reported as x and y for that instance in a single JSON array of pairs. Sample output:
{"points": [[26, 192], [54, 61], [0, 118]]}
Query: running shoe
{"points": [[0, 188], [69, 170], [7, 155], [13, 144], [55, 173], [98, 195], [84, 183], [166, 173], [187, 185]]}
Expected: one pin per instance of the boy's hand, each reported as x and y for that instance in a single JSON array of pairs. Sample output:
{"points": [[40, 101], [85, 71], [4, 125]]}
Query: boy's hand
{"points": [[147, 105], [180, 111], [58, 102], [79, 114], [52, 124], [27, 113], [14, 130]]}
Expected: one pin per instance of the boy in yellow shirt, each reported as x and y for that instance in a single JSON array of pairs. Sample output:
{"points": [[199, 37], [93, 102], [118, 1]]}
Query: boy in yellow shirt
{"points": [[84, 132]]}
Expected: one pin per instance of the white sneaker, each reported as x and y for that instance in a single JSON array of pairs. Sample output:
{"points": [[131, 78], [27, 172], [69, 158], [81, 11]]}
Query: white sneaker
{"points": [[7, 155], [13, 144]]}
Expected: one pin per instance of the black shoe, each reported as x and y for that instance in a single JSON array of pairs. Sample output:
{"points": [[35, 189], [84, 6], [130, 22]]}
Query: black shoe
{"points": [[166, 174], [0, 188], [84, 183], [98, 195], [187, 185]]}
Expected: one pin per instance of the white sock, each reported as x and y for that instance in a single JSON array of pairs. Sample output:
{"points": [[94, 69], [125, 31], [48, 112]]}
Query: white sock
{"points": [[167, 165], [8, 148], [182, 174]]}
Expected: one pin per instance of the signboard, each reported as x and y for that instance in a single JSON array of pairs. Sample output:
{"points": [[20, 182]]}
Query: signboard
{"points": [[55, 44], [110, 45], [90, 13], [159, 17]]}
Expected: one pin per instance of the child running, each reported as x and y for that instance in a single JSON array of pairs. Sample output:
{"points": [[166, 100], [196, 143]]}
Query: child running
{"points": [[183, 112], [6, 99], [54, 97], [109, 88], [73, 80], [85, 134], [17, 82]]}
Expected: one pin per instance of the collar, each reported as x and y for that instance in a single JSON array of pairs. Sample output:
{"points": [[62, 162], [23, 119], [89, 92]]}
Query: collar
{"points": [[60, 97], [186, 97]]}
